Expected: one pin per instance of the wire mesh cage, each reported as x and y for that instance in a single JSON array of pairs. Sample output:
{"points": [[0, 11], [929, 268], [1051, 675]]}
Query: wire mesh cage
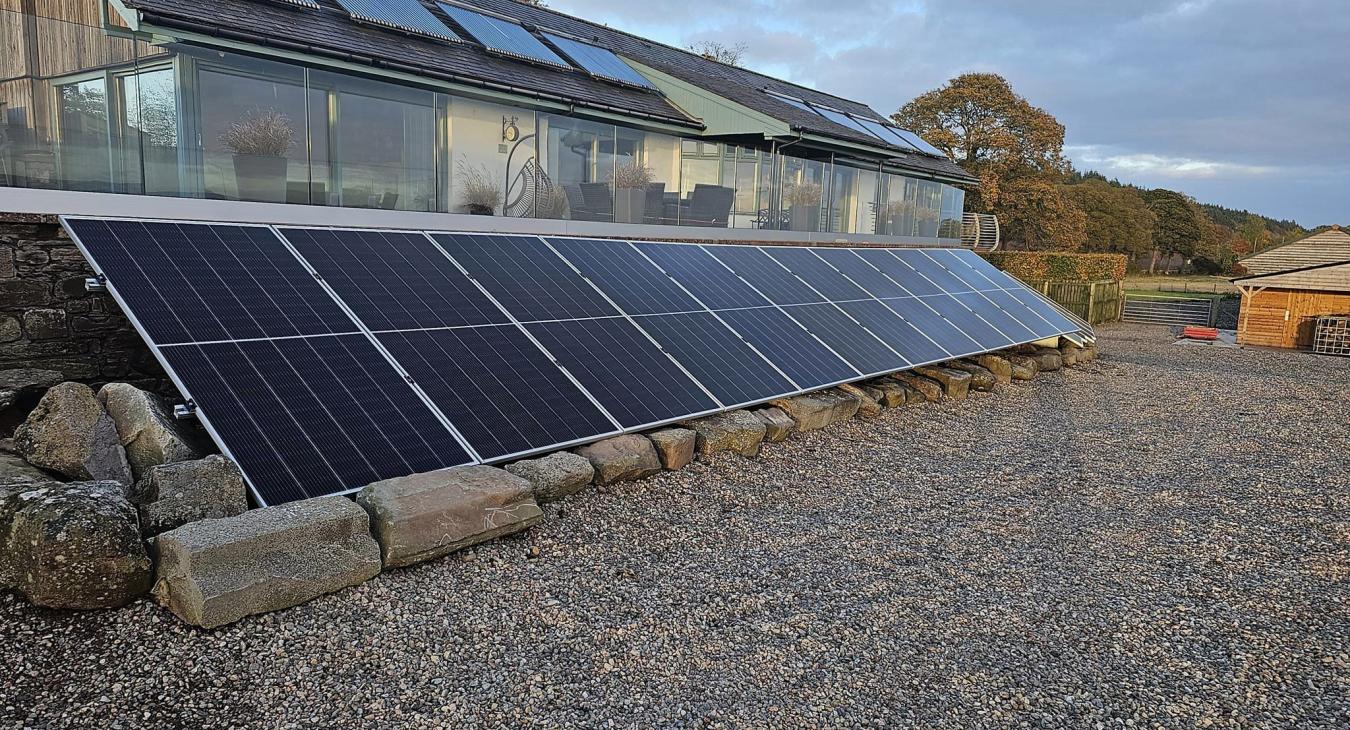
{"points": [[1332, 336]]}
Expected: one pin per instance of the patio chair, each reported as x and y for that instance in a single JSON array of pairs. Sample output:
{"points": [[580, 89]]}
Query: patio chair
{"points": [[710, 205], [599, 200], [656, 204]]}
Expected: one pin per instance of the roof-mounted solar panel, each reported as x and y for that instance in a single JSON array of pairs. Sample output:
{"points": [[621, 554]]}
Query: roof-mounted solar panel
{"points": [[916, 141], [502, 36], [845, 120], [406, 15], [300, 3], [881, 130], [792, 101], [598, 61]]}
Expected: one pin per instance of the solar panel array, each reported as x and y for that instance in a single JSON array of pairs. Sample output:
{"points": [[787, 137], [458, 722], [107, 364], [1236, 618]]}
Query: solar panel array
{"points": [[888, 133], [407, 15], [598, 61], [502, 36], [324, 359]]}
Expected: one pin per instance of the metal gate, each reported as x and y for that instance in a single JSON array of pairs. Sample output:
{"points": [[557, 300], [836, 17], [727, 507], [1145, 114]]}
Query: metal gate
{"points": [[1173, 311]]}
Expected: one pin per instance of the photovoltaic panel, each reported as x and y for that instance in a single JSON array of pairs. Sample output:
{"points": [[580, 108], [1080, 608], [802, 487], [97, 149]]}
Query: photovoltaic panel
{"points": [[1034, 302], [501, 392], [1026, 315], [899, 272], [715, 355], [788, 345], [526, 276], [696, 270], [394, 280], [886, 134], [996, 316], [633, 379], [502, 36], [848, 338], [822, 277], [931, 270], [407, 15], [861, 272], [764, 274], [924, 318], [985, 335], [626, 276], [843, 120], [598, 61], [916, 141], [309, 416], [895, 331]]}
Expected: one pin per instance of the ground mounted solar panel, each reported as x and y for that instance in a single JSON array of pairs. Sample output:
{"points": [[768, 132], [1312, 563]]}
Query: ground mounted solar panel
{"points": [[323, 359]]}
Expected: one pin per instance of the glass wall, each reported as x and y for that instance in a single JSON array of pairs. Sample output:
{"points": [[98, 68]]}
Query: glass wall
{"points": [[84, 108]]}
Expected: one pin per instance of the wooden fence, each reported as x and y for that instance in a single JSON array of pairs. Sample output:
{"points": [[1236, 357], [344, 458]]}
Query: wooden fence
{"points": [[1094, 301]]}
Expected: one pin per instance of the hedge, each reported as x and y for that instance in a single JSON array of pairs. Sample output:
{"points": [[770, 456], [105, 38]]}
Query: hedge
{"points": [[1053, 266]]}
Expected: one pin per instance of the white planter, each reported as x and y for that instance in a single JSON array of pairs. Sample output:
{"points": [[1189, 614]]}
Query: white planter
{"points": [[630, 205]]}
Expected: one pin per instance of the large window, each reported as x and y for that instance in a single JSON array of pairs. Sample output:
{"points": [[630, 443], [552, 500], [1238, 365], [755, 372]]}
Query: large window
{"points": [[580, 157], [803, 191]]}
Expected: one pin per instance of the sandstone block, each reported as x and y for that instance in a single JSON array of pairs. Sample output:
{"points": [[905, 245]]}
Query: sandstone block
{"points": [[777, 424], [845, 404], [811, 412], [1023, 367], [868, 405], [70, 433], [425, 516], [893, 394], [929, 388], [675, 447], [622, 458], [172, 495], [1048, 360], [955, 383], [215, 572], [980, 378], [996, 364], [556, 475], [740, 432], [147, 429]]}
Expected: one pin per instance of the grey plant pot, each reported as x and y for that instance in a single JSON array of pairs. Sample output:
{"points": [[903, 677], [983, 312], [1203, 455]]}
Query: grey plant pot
{"points": [[630, 205], [261, 177], [805, 217]]}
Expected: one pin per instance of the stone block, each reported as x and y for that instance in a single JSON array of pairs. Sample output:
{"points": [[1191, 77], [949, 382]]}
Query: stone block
{"points": [[215, 572], [1070, 354], [172, 495], [893, 394], [556, 475], [777, 424], [422, 517], [10, 329], [675, 447], [45, 324], [811, 412], [868, 405], [996, 364], [740, 432], [1023, 367], [981, 379], [622, 458], [955, 383], [930, 389], [1048, 360], [70, 433], [149, 433], [14, 470]]}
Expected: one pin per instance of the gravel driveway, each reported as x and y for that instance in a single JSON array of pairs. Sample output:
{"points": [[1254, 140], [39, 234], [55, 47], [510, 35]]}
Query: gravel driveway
{"points": [[1160, 538]]}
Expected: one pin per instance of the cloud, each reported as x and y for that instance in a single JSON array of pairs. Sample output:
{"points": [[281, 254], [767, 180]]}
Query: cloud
{"points": [[1144, 163]]}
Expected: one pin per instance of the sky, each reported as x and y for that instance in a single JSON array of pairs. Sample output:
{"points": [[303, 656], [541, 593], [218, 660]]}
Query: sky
{"points": [[1243, 103]]}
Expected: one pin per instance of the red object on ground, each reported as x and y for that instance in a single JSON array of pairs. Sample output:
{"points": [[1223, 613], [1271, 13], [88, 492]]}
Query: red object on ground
{"points": [[1200, 333]]}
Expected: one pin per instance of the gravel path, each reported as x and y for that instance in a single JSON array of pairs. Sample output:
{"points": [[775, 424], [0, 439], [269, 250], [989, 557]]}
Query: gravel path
{"points": [[1159, 539]]}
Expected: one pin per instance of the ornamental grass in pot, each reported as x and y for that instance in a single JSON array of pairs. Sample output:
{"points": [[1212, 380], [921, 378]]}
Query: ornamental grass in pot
{"points": [[480, 193], [630, 192], [803, 201], [259, 142]]}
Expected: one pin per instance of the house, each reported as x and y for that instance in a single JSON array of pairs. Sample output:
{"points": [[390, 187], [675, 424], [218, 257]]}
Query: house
{"points": [[1287, 288], [453, 107]]}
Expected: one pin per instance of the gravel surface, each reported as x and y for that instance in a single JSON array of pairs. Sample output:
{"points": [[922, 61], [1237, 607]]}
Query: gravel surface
{"points": [[1158, 539]]}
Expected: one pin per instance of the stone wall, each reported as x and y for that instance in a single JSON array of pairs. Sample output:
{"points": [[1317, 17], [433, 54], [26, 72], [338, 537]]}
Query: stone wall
{"points": [[49, 321]]}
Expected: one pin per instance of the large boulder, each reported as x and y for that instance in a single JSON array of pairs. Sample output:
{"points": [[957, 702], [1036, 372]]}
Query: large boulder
{"points": [[955, 383], [14, 470], [172, 495], [845, 404], [777, 424], [1048, 360], [1023, 367], [215, 572], [622, 458], [422, 517], [20, 390], [1089, 353], [1071, 354], [739, 432], [675, 447], [70, 433], [74, 545], [930, 389], [811, 412], [868, 399], [147, 429], [893, 394], [555, 476], [981, 379], [996, 364]]}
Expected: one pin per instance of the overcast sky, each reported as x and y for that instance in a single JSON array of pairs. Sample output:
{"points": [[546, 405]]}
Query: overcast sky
{"points": [[1245, 103]]}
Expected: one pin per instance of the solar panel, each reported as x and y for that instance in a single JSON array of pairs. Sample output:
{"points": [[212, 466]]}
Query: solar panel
{"points": [[717, 357], [626, 276], [895, 331], [860, 348], [502, 36], [987, 337], [406, 15], [915, 141], [865, 275], [844, 120], [924, 318], [996, 316], [886, 134], [787, 344], [949, 261], [819, 275], [598, 61], [899, 272], [301, 3], [526, 276], [929, 269], [794, 102], [765, 274], [697, 271]]}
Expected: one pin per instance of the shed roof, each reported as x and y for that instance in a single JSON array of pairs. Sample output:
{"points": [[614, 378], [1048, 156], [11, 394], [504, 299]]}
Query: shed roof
{"points": [[1320, 277], [1328, 247]]}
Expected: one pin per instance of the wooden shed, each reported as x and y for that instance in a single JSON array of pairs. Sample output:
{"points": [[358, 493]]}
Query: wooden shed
{"points": [[1287, 288]]}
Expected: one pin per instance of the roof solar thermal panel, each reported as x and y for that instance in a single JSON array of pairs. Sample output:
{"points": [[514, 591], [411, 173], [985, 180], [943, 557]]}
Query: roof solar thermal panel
{"points": [[855, 267], [969, 322], [860, 348], [305, 417], [301, 3], [720, 359], [187, 282], [502, 36], [916, 141], [895, 331], [930, 269], [878, 129], [632, 378], [626, 276], [822, 277], [409, 15], [899, 272], [788, 345], [765, 274], [997, 316], [794, 102], [932, 324], [522, 273], [394, 280], [844, 120], [698, 271], [501, 392], [598, 61]]}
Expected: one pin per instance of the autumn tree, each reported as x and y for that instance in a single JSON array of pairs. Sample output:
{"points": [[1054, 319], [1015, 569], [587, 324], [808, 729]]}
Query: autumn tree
{"points": [[731, 55], [1254, 230], [1180, 227], [1014, 148], [1118, 219]]}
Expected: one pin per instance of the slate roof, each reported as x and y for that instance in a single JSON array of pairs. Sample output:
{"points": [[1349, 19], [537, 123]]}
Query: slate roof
{"points": [[1328, 247]]}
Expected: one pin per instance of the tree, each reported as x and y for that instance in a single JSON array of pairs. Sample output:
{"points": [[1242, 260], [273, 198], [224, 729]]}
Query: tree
{"points": [[1180, 226], [731, 55], [1118, 219], [1016, 150], [1253, 229]]}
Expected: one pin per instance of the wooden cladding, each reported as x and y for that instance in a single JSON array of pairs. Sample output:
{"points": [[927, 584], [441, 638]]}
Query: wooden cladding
{"points": [[1285, 317]]}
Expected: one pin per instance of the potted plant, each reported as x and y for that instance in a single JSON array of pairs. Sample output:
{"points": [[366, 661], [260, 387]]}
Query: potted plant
{"points": [[630, 192], [259, 142], [803, 201], [481, 194]]}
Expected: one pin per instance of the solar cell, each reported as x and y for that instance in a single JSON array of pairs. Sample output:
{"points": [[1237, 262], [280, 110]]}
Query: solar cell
{"points": [[1026, 316], [634, 380], [725, 364], [931, 270], [1050, 313], [947, 258], [503, 395], [696, 270], [863, 351], [933, 325], [996, 316], [526, 276], [886, 134], [899, 272], [626, 276], [394, 280], [764, 274], [788, 345], [916, 141], [843, 119], [895, 331], [598, 61], [502, 36], [855, 267], [986, 336], [822, 277], [407, 15], [309, 416]]}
